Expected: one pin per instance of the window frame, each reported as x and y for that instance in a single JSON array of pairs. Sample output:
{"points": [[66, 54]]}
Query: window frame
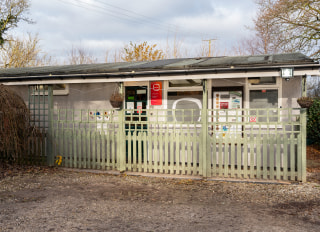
{"points": [[57, 92], [168, 89], [277, 86]]}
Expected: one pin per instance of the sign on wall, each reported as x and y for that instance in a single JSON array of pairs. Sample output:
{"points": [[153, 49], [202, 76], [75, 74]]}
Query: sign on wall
{"points": [[225, 102], [156, 93]]}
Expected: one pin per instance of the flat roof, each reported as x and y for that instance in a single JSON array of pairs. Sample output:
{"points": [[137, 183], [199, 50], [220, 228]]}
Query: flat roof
{"points": [[183, 64]]}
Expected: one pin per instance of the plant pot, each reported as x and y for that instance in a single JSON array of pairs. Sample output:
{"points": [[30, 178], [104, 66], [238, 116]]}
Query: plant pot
{"points": [[305, 103], [116, 99], [116, 104]]}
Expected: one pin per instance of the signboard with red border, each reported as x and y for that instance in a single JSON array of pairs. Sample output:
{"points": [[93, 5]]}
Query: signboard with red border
{"points": [[156, 93], [224, 105]]}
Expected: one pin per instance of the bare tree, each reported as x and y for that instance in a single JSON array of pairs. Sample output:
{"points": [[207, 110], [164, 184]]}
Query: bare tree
{"points": [[79, 55], [288, 26], [175, 48], [25, 52], [250, 46], [313, 87], [12, 12], [113, 56]]}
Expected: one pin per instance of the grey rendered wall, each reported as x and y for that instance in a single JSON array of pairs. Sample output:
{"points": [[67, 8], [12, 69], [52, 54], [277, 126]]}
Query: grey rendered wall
{"points": [[86, 96], [291, 91], [97, 95], [81, 96], [22, 91]]}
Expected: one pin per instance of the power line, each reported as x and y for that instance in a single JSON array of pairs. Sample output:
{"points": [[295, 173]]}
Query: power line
{"points": [[135, 13], [116, 14], [123, 14]]}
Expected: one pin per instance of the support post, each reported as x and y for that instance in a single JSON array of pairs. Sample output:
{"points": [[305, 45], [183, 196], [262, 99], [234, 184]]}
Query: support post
{"points": [[50, 155], [121, 143], [204, 118], [303, 145], [304, 86]]}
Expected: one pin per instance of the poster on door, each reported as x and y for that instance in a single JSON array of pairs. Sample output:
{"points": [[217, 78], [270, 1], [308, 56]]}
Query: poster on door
{"points": [[139, 107], [224, 102], [130, 106]]}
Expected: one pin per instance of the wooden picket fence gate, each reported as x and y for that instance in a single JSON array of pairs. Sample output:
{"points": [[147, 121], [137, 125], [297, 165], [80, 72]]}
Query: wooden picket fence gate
{"points": [[265, 144]]}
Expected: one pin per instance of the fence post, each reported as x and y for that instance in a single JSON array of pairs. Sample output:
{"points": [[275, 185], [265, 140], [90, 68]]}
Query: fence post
{"points": [[121, 143], [50, 155], [303, 158], [204, 118]]}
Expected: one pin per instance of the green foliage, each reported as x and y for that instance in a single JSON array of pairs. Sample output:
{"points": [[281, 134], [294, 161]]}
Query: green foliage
{"points": [[11, 13], [313, 123], [142, 52]]}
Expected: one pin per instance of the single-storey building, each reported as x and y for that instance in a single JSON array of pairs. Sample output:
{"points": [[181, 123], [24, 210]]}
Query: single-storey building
{"points": [[197, 116]]}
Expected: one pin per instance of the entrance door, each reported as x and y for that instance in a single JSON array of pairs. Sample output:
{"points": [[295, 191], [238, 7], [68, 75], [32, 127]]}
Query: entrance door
{"points": [[136, 103], [136, 100]]}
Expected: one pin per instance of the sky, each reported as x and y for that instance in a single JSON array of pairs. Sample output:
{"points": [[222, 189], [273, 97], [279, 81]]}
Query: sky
{"points": [[101, 26]]}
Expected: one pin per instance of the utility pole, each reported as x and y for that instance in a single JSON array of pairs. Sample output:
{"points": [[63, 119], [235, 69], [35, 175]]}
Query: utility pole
{"points": [[209, 40]]}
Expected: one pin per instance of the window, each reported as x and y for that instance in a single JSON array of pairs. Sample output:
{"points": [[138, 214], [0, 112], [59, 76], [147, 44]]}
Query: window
{"points": [[185, 83], [264, 98], [263, 92], [186, 106], [58, 89], [262, 80], [184, 99]]}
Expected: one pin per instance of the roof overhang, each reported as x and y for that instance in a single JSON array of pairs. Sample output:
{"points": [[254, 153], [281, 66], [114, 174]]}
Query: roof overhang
{"points": [[213, 73]]}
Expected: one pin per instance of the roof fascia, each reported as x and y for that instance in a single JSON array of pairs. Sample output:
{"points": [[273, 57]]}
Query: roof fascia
{"points": [[311, 69]]}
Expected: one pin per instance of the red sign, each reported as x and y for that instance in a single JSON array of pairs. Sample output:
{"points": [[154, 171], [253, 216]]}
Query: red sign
{"points": [[156, 93], [139, 107], [253, 119], [224, 105]]}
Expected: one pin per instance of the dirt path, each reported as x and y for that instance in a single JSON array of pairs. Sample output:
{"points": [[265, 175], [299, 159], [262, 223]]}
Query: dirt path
{"points": [[59, 200]]}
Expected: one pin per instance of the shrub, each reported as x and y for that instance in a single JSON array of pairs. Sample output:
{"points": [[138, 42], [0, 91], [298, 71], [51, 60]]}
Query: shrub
{"points": [[313, 123], [15, 126]]}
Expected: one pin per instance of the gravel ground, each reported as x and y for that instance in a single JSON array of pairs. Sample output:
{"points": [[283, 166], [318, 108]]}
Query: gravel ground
{"points": [[64, 200]]}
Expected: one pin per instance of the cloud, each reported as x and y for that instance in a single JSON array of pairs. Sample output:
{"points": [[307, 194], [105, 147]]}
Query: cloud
{"points": [[102, 25]]}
